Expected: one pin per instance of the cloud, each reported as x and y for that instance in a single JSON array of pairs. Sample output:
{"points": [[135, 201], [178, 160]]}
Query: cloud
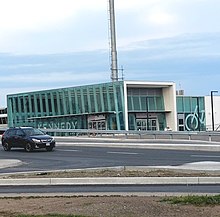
{"points": [[25, 14], [161, 18], [184, 45], [156, 39], [55, 26], [37, 14], [52, 77], [34, 72]]}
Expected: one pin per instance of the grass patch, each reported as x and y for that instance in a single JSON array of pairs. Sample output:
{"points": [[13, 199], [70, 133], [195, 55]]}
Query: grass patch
{"points": [[195, 200]]}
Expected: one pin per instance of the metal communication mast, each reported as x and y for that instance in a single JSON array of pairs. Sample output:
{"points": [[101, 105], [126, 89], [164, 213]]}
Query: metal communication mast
{"points": [[114, 64]]}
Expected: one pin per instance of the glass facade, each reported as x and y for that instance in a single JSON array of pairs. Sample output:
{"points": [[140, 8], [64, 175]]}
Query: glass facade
{"points": [[98, 106], [146, 109], [190, 113], [102, 107]]}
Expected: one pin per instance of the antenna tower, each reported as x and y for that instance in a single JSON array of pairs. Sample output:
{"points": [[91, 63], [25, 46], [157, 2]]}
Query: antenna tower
{"points": [[114, 64]]}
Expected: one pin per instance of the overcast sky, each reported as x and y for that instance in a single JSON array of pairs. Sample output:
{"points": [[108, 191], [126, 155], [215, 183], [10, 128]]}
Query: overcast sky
{"points": [[48, 44]]}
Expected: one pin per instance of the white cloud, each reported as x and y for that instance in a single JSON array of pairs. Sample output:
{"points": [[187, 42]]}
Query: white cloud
{"points": [[56, 26], [26, 14], [161, 17], [21, 65], [38, 14], [52, 77]]}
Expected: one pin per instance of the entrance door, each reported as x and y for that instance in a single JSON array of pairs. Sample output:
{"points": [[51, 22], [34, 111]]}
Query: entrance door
{"points": [[181, 122], [142, 124], [152, 124]]}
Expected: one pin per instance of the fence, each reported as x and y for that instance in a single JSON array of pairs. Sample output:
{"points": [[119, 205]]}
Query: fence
{"points": [[209, 136], [172, 135]]}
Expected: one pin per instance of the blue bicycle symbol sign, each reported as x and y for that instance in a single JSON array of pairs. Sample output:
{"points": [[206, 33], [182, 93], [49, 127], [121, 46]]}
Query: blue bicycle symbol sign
{"points": [[193, 120]]}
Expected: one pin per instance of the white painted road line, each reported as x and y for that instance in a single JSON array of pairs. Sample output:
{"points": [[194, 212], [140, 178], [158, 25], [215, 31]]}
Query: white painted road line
{"points": [[73, 150], [114, 152], [206, 156]]}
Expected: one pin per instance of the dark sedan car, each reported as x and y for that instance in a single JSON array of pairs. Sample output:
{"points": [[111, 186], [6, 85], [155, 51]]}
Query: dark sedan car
{"points": [[28, 138]]}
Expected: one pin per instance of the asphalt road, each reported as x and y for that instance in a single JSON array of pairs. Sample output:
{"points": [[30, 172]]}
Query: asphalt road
{"points": [[111, 189], [74, 157], [92, 154]]}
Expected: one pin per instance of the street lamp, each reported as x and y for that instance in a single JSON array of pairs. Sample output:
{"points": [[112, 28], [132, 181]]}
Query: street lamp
{"points": [[147, 113], [213, 123]]}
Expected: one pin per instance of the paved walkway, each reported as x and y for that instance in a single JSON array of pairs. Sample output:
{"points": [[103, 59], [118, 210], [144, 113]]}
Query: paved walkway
{"points": [[9, 163], [197, 166]]}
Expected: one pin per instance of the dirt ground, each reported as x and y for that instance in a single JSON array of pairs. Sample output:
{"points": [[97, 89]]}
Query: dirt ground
{"points": [[114, 173], [105, 206], [114, 206]]}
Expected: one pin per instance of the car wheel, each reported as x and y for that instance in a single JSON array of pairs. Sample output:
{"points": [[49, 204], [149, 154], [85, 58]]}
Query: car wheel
{"points": [[6, 146], [28, 147], [49, 148]]}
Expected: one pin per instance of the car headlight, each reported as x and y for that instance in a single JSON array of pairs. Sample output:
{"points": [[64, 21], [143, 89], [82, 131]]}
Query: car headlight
{"points": [[36, 140]]}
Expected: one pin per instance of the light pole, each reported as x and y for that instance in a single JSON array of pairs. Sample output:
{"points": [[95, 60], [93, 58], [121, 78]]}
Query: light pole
{"points": [[213, 122], [147, 113], [197, 100]]}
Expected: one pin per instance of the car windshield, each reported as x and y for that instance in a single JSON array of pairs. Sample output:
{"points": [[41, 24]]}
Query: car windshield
{"points": [[33, 132]]}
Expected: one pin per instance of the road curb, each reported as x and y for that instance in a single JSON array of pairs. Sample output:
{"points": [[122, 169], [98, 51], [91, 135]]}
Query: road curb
{"points": [[171, 146], [111, 181]]}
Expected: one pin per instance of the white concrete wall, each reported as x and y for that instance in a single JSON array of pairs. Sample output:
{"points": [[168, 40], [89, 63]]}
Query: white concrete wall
{"points": [[169, 94], [216, 111], [126, 105]]}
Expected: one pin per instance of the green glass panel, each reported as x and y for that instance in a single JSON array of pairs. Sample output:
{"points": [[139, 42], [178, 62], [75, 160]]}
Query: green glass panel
{"points": [[143, 103], [98, 100], [187, 105], [151, 103], [112, 101], [136, 103], [105, 99], [130, 108], [180, 104], [159, 104]]}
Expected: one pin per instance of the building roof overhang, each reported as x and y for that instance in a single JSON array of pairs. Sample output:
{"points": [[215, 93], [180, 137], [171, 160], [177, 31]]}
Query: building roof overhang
{"points": [[149, 84]]}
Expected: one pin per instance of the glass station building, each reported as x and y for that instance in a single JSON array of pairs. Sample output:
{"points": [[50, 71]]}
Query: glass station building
{"points": [[121, 105]]}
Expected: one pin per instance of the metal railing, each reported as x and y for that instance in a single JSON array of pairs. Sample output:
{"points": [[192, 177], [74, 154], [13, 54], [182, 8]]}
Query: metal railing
{"points": [[209, 136], [133, 134]]}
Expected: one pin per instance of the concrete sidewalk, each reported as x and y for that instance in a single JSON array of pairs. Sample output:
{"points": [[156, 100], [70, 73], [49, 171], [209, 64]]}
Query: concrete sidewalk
{"points": [[199, 166], [4, 163], [111, 181], [168, 144]]}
